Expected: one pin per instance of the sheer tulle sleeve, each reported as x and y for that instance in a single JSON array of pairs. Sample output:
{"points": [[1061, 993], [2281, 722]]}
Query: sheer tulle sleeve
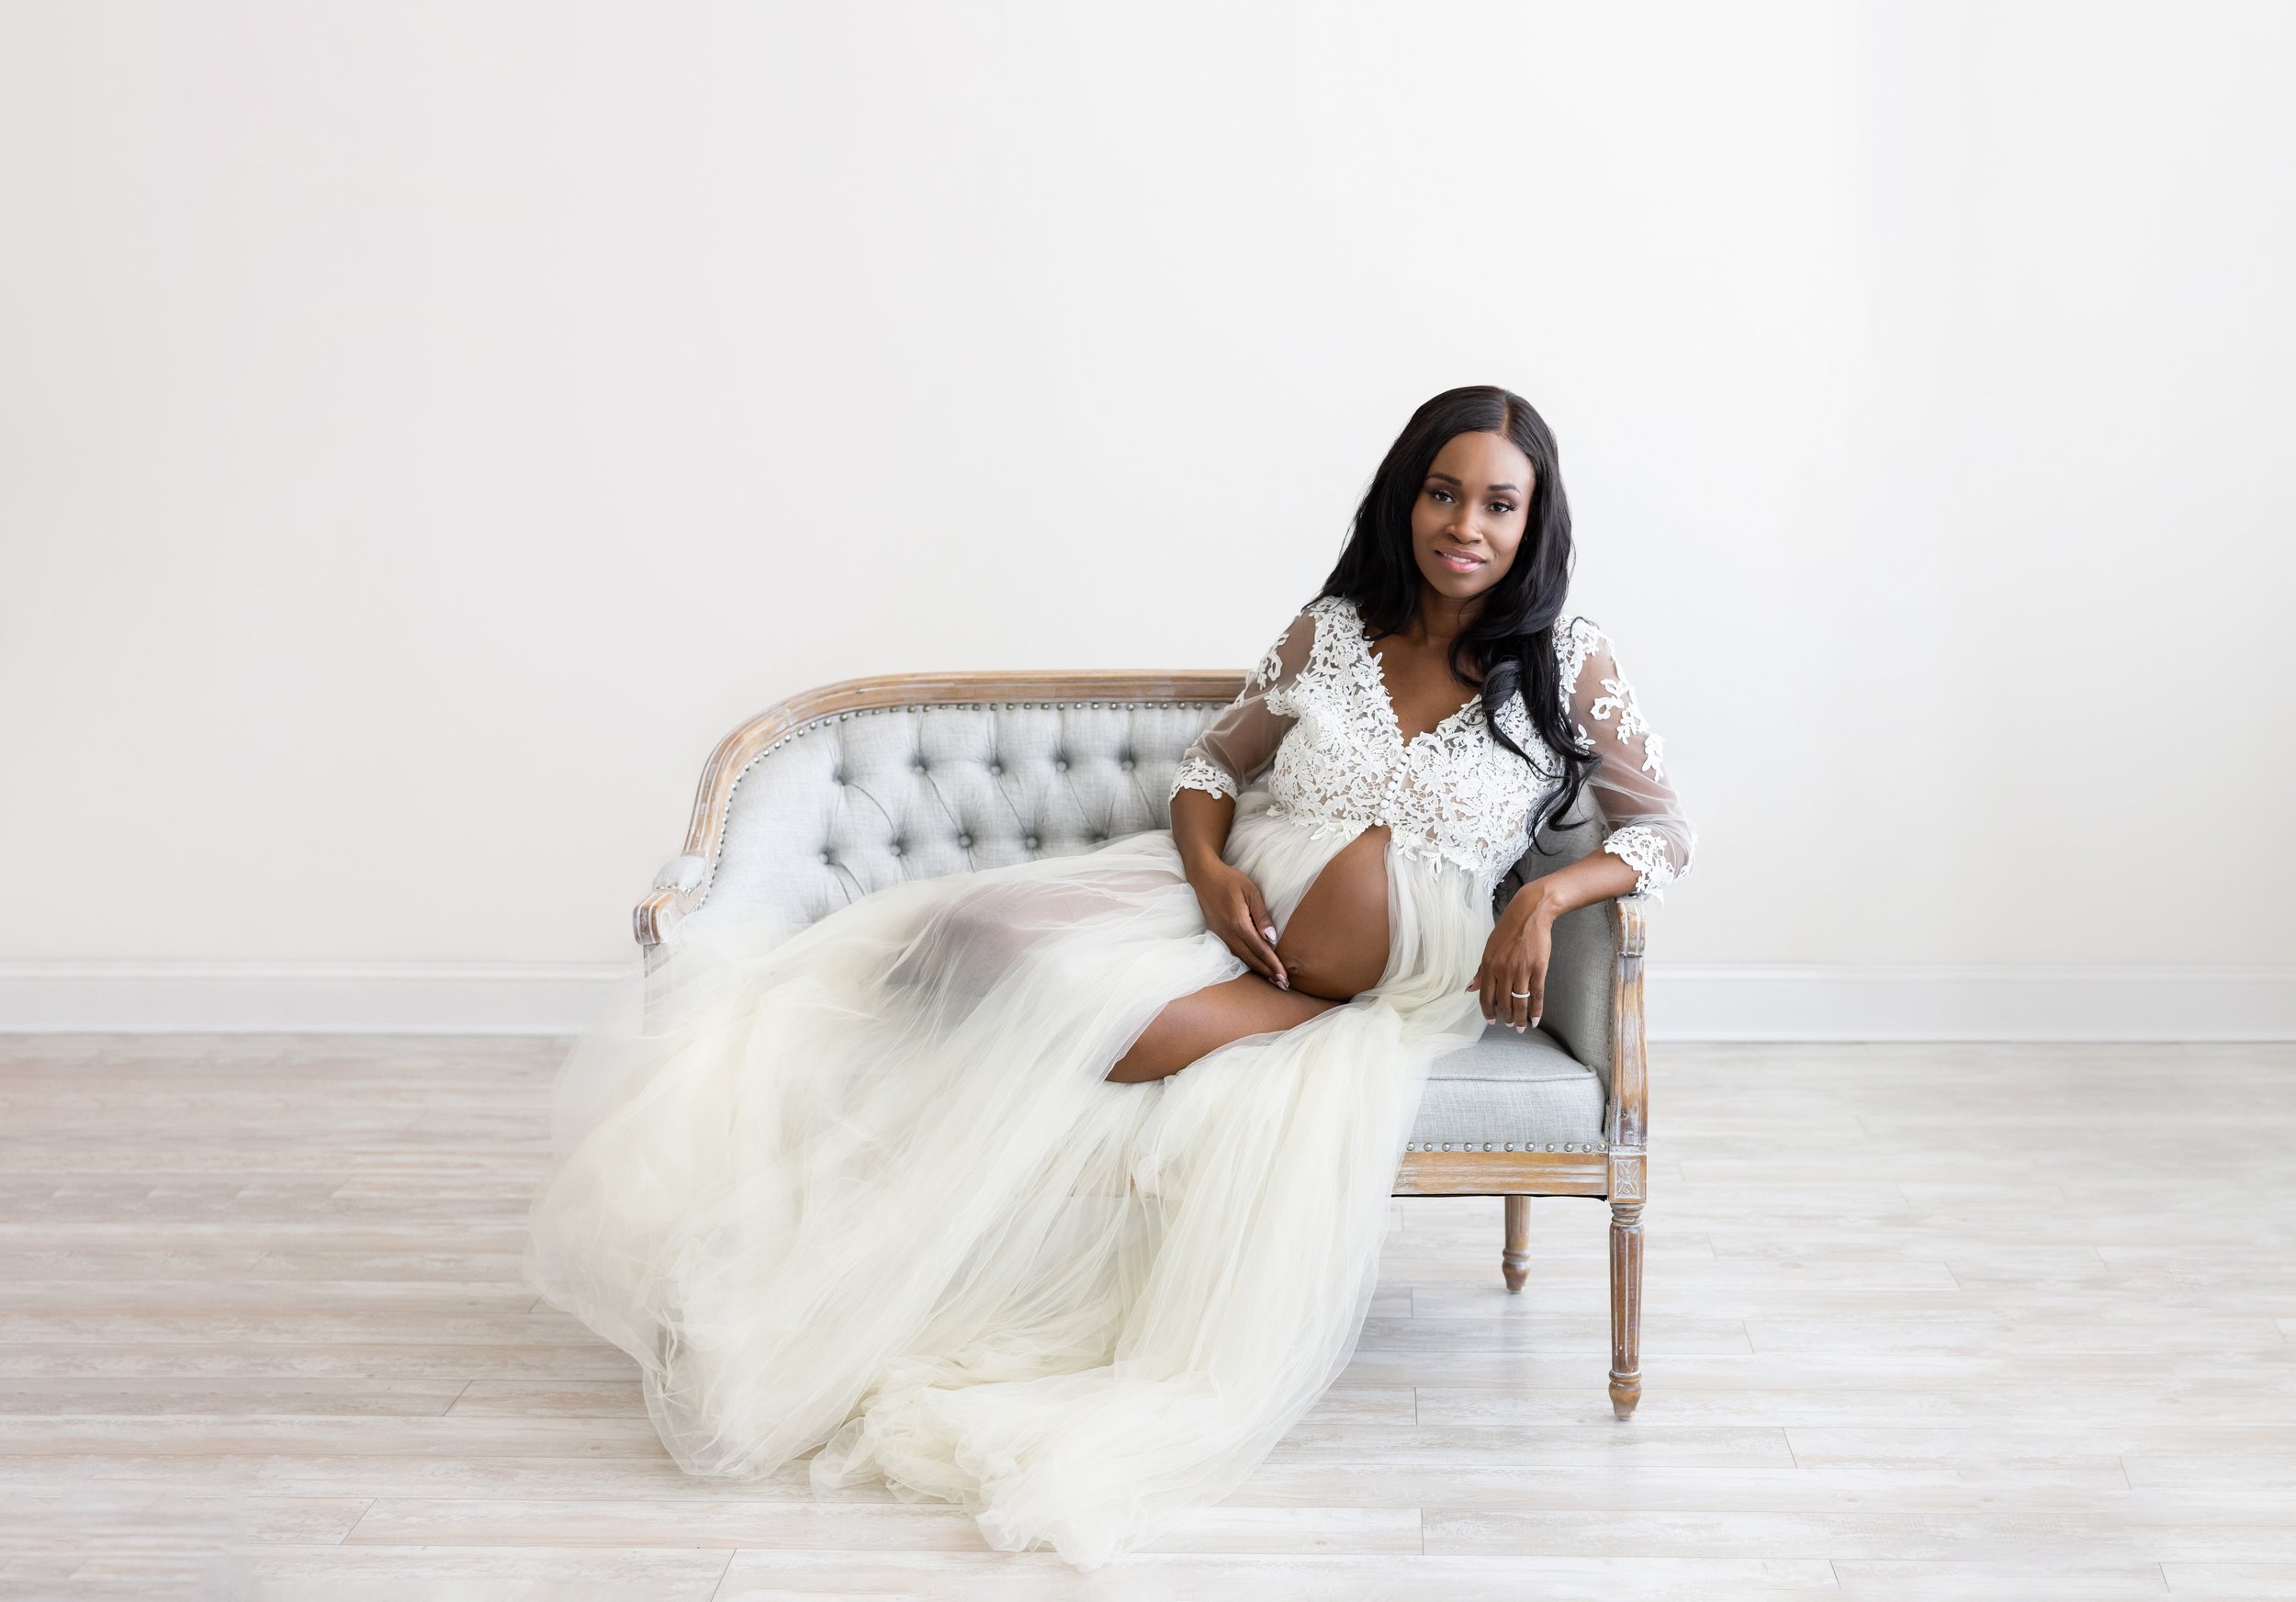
{"points": [[1236, 747], [1649, 828]]}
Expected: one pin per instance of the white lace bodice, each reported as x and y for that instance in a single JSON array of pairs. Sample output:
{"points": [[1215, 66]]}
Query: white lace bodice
{"points": [[1315, 717]]}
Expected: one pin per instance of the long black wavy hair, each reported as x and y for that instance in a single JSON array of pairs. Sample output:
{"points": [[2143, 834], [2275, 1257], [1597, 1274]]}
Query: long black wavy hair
{"points": [[1510, 639]]}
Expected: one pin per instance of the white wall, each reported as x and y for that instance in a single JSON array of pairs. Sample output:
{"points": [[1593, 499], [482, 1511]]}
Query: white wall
{"points": [[424, 429]]}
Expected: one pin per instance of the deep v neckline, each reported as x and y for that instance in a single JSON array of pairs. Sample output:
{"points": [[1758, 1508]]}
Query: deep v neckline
{"points": [[1378, 678]]}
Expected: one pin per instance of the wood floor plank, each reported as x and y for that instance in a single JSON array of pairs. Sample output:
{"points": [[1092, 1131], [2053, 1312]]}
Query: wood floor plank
{"points": [[753, 1521], [757, 1576]]}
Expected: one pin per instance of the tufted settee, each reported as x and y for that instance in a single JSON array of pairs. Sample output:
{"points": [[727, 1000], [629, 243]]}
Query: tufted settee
{"points": [[857, 785]]}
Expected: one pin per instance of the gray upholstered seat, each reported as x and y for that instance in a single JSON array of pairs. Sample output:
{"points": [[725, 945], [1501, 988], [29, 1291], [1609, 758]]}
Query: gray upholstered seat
{"points": [[1511, 1092]]}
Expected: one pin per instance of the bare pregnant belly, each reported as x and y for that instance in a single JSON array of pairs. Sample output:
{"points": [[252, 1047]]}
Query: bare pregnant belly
{"points": [[1335, 943]]}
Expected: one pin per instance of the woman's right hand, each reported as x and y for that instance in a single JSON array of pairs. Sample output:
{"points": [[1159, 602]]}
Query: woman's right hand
{"points": [[1236, 911]]}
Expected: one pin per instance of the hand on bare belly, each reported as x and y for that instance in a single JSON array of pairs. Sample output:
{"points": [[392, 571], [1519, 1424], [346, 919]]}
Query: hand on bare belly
{"points": [[1334, 945], [1335, 942]]}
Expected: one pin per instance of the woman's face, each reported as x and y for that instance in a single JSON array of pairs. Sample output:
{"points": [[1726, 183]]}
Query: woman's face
{"points": [[1471, 511]]}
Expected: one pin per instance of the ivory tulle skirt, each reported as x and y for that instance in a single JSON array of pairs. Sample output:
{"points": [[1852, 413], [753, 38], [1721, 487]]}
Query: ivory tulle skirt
{"points": [[863, 1186]]}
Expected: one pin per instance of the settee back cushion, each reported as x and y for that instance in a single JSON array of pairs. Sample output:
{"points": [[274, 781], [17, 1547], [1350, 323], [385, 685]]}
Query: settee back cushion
{"points": [[860, 800]]}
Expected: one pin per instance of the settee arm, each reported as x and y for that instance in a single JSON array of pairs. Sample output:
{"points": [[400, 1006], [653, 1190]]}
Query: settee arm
{"points": [[1594, 1005], [677, 890], [1626, 1121]]}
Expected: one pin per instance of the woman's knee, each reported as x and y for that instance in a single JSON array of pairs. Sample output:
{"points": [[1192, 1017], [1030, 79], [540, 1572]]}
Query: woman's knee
{"points": [[1164, 1048], [1143, 1062]]}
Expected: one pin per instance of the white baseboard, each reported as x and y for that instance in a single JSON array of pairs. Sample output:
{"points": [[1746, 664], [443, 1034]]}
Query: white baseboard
{"points": [[1969, 1001], [1720, 1001], [298, 998]]}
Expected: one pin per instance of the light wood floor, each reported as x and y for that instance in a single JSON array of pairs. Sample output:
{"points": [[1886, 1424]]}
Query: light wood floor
{"points": [[1922, 1322]]}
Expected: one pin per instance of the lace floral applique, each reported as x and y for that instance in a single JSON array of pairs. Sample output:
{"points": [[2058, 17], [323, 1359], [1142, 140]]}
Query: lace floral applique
{"points": [[1270, 668], [1201, 774], [1575, 639], [1621, 700], [1640, 848]]}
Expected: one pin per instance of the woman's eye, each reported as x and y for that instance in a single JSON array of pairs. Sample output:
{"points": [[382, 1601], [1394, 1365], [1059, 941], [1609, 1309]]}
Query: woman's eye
{"points": [[1500, 507]]}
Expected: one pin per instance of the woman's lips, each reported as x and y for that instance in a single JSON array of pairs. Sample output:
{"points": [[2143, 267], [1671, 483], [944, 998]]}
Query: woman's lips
{"points": [[1459, 561]]}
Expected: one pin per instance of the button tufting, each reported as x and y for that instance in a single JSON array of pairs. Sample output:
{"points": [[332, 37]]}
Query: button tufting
{"points": [[895, 848], [1062, 763], [825, 856], [995, 767], [1032, 842], [964, 840], [1126, 764], [920, 767]]}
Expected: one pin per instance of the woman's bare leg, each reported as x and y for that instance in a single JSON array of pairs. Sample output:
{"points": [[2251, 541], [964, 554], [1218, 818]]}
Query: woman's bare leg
{"points": [[1205, 1020]]}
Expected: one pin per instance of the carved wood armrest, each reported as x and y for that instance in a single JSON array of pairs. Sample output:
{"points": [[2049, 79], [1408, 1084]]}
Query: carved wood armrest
{"points": [[1627, 1118], [676, 892]]}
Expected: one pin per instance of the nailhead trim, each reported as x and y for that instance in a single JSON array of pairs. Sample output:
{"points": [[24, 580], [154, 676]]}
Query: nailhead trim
{"points": [[1569, 1146]]}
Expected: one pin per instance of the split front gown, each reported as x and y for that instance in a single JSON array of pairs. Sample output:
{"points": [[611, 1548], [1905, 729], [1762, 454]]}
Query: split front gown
{"points": [[863, 1186]]}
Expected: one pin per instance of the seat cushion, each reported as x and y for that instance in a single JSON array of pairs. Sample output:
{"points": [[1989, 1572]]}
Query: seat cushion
{"points": [[1510, 1092]]}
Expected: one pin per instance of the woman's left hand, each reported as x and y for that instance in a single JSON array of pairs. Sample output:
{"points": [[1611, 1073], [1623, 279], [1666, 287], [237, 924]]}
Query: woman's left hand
{"points": [[1515, 958]]}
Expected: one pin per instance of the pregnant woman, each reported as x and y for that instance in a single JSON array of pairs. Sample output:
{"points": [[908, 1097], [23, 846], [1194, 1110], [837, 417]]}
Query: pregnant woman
{"points": [[1056, 1190]]}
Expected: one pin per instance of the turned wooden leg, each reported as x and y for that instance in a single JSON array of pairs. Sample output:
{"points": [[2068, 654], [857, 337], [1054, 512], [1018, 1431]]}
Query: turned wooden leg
{"points": [[1626, 1306], [1515, 1261]]}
